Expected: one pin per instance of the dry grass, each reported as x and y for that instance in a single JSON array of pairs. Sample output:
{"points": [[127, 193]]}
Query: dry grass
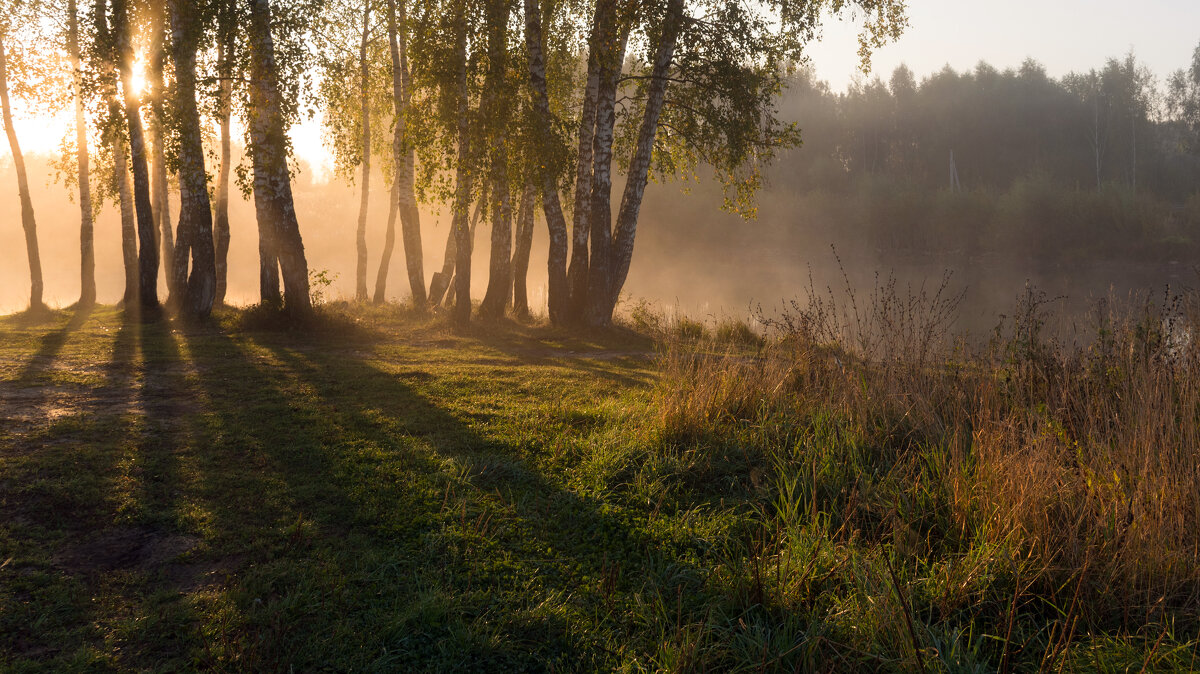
{"points": [[1083, 456]]}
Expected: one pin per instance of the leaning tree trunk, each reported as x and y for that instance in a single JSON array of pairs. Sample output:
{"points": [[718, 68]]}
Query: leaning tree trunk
{"points": [[389, 244], [441, 279], [147, 241], [360, 241], [496, 111], [520, 259], [612, 43], [273, 202], [195, 212], [603, 303], [27, 220], [462, 193], [577, 273], [403, 153], [225, 57], [87, 249], [474, 227], [161, 203], [556, 264]]}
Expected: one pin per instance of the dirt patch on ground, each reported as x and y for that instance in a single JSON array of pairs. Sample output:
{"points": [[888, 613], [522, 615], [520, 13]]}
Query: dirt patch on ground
{"points": [[25, 409], [38, 403], [125, 548]]}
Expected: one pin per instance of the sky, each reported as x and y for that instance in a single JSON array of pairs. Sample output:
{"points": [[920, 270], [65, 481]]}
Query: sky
{"points": [[1064, 35]]}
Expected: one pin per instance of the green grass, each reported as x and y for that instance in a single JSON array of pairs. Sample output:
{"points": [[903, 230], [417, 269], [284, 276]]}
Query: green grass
{"points": [[377, 493]]}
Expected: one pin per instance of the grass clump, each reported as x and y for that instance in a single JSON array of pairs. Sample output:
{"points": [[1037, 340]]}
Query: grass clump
{"points": [[737, 332]]}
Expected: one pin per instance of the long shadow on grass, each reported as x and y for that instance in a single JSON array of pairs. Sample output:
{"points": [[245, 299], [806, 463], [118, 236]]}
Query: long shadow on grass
{"points": [[79, 544], [49, 346], [605, 355], [379, 529]]}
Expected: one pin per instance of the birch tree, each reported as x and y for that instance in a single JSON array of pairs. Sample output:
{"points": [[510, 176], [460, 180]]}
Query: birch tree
{"points": [[404, 162], [496, 112], [227, 58], [122, 29], [544, 123], [8, 29], [281, 248], [195, 231], [703, 90], [350, 99], [87, 250], [156, 132], [521, 248], [463, 232]]}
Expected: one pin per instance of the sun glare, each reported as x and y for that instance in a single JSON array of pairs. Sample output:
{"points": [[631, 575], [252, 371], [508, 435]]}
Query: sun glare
{"points": [[139, 75]]}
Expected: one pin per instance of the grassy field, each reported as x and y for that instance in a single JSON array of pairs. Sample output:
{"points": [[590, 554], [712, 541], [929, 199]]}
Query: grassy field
{"points": [[377, 493]]}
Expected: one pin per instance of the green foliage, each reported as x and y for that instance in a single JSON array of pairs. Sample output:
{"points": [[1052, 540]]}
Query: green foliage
{"points": [[341, 87], [319, 282]]}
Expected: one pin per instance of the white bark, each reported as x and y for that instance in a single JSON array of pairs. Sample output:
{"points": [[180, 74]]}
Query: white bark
{"points": [[28, 224]]}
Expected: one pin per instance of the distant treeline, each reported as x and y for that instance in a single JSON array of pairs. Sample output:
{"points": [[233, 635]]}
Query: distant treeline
{"points": [[1102, 163]]}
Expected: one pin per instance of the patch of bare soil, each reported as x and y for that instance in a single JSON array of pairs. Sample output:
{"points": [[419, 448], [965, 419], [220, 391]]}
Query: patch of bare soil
{"points": [[125, 549], [26, 408], [36, 403], [164, 556]]}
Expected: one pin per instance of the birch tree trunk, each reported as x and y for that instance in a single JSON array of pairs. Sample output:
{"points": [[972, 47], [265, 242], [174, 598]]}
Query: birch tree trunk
{"points": [[161, 206], [524, 243], [404, 155], [195, 214], [225, 48], [389, 244], [462, 193], [612, 53], [87, 249], [474, 227], [279, 231], [442, 285], [577, 273], [557, 289], [108, 82], [496, 112], [441, 279], [28, 223], [147, 241], [364, 73], [496, 298], [129, 253], [603, 303]]}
